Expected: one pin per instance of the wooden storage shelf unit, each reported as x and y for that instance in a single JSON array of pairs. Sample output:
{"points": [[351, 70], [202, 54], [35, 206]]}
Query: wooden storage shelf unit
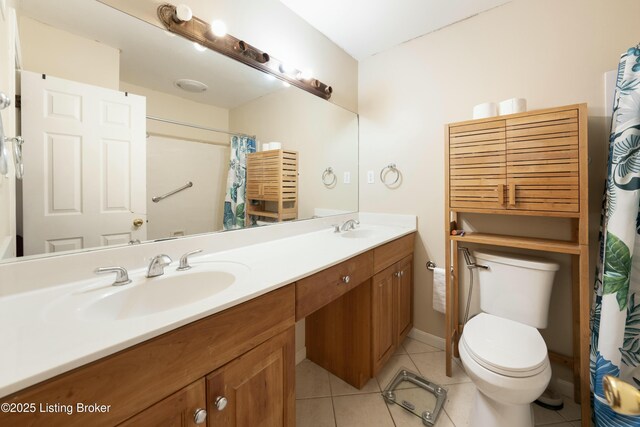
{"points": [[272, 185], [534, 164]]}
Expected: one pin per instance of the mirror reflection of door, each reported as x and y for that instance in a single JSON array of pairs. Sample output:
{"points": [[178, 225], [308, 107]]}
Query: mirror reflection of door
{"points": [[85, 165]]}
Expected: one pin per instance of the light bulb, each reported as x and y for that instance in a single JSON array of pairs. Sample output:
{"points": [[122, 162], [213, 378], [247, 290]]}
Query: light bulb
{"points": [[286, 84], [183, 13], [199, 47], [287, 69], [306, 74], [218, 28]]}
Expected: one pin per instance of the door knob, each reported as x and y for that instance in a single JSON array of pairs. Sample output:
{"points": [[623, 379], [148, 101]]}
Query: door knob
{"points": [[220, 403], [200, 416], [138, 222]]}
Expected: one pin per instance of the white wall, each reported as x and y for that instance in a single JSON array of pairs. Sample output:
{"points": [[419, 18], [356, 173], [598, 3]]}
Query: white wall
{"points": [[48, 50], [7, 85], [171, 163], [323, 135], [552, 52], [172, 107]]}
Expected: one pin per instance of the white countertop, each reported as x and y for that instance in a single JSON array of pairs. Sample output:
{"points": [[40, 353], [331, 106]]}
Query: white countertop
{"points": [[36, 348]]}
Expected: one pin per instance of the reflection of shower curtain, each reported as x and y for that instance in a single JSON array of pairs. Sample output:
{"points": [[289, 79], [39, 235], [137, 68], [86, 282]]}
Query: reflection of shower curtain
{"points": [[615, 318], [236, 181]]}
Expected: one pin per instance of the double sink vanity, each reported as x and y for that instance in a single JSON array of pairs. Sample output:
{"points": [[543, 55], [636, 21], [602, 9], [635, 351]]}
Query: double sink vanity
{"points": [[213, 344]]}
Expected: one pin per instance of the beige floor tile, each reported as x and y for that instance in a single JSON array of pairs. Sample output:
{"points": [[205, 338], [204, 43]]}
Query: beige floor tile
{"points": [[341, 388], [389, 371], [412, 346], [311, 381], [361, 410], [315, 413], [571, 410], [433, 367], [542, 416], [459, 403], [400, 350]]}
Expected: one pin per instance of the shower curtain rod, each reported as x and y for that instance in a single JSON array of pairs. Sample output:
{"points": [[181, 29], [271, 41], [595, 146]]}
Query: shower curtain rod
{"points": [[191, 125]]}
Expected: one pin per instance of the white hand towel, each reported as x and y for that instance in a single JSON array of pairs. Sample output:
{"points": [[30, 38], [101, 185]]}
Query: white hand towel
{"points": [[439, 290]]}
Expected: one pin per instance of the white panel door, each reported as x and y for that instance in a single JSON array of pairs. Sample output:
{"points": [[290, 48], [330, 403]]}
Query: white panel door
{"points": [[84, 165]]}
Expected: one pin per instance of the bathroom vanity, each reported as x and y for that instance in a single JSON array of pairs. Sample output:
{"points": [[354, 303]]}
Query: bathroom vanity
{"points": [[236, 366]]}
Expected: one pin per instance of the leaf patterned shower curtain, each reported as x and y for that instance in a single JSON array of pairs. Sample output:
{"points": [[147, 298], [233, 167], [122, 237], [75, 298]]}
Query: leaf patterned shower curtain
{"points": [[234, 200], [615, 317]]}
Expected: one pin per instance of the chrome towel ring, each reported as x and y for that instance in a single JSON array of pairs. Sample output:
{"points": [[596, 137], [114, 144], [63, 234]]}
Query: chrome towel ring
{"points": [[392, 168], [328, 174]]}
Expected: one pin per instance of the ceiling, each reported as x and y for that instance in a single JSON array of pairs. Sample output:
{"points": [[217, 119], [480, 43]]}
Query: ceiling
{"points": [[152, 58], [366, 27]]}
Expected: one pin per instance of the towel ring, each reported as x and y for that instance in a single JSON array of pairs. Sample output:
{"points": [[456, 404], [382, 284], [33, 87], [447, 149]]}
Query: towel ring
{"points": [[328, 172], [392, 168]]}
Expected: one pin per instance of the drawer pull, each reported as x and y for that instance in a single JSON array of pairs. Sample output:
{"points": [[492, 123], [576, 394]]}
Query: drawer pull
{"points": [[200, 416], [346, 279], [220, 403]]}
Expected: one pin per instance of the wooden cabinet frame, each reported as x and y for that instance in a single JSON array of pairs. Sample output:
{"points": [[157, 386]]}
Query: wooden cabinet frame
{"points": [[545, 162]]}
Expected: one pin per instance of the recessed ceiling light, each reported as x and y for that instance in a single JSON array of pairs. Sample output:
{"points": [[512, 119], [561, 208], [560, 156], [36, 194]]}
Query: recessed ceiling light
{"points": [[191, 85]]}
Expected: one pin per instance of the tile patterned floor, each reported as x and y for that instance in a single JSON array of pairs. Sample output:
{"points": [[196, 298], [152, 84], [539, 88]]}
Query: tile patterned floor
{"points": [[324, 400]]}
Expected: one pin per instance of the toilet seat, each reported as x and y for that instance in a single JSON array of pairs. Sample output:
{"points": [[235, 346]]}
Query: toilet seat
{"points": [[504, 346]]}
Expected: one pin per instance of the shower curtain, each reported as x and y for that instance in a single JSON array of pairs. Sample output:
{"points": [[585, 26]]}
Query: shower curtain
{"points": [[615, 317], [234, 200]]}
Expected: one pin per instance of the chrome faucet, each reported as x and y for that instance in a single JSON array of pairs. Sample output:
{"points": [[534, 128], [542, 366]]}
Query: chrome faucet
{"points": [[349, 224], [122, 278], [157, 265]]}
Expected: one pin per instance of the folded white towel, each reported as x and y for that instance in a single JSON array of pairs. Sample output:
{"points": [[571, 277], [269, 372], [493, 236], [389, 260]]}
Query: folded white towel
{"points": [[439, 290]]}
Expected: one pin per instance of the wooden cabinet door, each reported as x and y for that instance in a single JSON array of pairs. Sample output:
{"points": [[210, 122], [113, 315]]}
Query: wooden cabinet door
{"points": [[477, 165], [258, 387], [542, 162], [177, 410], [404, 301], [382, 315]]}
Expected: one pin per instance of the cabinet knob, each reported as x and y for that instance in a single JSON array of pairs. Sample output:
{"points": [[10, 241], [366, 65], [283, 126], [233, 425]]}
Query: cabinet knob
{"points": [[200, 416], [346, 279], [220, 403], [397, 274]]}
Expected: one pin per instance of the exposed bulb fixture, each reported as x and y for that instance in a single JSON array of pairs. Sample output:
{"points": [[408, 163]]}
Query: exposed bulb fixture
{"points": [[191, 85], [199, 47], [305, 74], [287, 69], [286, 84], [218, 28], [183, 13]]}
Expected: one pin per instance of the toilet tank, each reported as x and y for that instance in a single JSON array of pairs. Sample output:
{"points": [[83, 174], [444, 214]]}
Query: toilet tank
{"points": [[516, 287]]}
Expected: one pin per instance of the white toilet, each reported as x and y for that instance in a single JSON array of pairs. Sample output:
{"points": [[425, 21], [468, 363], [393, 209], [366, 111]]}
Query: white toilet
{"points": [[501, 349]]}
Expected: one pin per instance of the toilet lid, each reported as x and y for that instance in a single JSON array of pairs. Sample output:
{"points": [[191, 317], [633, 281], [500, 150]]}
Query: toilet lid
{"points": [[504, 346]]}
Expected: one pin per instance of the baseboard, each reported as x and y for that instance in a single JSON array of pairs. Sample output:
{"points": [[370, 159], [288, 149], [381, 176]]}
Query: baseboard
{"points": [[301, 355], [564, 388], [427, 338]]}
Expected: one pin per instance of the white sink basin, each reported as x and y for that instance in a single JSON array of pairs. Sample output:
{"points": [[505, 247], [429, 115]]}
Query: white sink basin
{"points": [[144, 296], [358, 233]]}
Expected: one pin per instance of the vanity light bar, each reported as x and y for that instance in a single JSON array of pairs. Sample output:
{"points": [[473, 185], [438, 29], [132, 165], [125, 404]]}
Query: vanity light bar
{"points": [[199, 31]]}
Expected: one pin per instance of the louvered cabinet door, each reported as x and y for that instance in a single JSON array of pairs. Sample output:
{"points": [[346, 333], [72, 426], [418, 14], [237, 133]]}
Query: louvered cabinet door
{"points": [[542, 162], [477, 165]]}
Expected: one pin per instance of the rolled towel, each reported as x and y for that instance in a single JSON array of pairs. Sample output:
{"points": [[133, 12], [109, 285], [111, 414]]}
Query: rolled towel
{"points": [[439, 290]]}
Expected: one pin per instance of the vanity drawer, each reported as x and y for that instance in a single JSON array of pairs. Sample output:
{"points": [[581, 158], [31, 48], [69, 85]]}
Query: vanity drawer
{"points": [[387, 255], [318, 290]]}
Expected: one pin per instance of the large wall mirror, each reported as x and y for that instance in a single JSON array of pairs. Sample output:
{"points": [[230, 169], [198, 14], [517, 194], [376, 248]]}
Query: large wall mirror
{"points": [[133, 134]]}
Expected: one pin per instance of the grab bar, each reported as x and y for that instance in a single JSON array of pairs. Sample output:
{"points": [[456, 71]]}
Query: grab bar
{"points": [[171, 193]]}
